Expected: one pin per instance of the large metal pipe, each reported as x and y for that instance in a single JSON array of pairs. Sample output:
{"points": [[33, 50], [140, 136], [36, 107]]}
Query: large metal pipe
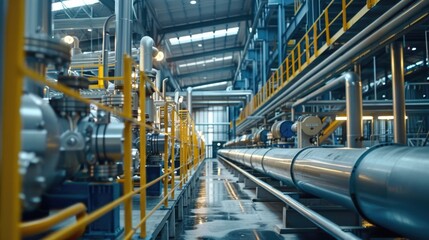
{"points": [[146, 55], [123, 35], [321, 221], [106, 47], [339, 59], [384, 184], [398, 90]]}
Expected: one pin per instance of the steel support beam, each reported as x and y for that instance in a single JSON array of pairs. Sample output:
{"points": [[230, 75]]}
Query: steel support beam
{"points": [[220, 94], [79, 23], [221, 21], [204, 54], [398, 90]]}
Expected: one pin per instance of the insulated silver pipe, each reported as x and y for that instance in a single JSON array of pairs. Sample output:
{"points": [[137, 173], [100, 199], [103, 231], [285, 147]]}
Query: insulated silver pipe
{"points": [[106, 47], [398, 90], [322, 222], [189, 100], [146, 55], [354, 110], [123, 35], [384, 184]]}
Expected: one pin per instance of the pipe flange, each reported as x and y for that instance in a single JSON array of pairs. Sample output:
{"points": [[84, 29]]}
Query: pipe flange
{"points": [[292, 175], [47, 50], [113, 100], [74, 82], [353, 176]]}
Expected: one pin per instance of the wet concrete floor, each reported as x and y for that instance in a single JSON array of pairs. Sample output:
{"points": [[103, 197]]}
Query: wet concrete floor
{"points": [[224, 210]]}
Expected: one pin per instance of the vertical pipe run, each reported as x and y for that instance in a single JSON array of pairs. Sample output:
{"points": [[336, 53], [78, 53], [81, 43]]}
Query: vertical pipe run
{"points": [[37, 25], [166, 154], [374, 60], [189, 100], [106, 47], [127, 143], [173, 154], [354, 110], [398, 98], [142, 94], [280, 30], [10, 182], [123, 33]]}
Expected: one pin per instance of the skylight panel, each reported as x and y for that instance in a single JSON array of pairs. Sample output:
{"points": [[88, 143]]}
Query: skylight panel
{"points": [[204, 36], [205, 61], [57, 6]]}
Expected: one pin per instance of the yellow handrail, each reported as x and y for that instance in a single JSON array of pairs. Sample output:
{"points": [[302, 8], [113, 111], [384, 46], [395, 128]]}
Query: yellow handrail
{"points": [[306, 51], [42, 225]]}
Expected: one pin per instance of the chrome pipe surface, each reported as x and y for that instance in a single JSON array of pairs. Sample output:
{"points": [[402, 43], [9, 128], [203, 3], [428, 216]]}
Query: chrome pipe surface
{"points": [[322, 222], [385, 184]]}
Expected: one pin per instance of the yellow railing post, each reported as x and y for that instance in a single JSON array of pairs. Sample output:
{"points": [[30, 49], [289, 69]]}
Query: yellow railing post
{"points": [[328, 36], [100, 76], [142, 93], [344, 13], [315, 38], [128, 185], [173, 142], [182, 148], [299, 56], [293, 62], [195, 143], [307, 48], [166, 153], [10, 181]]}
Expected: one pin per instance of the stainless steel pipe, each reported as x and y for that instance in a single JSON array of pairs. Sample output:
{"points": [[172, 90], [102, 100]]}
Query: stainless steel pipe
{"points": [[387, 185], [322, 222]]}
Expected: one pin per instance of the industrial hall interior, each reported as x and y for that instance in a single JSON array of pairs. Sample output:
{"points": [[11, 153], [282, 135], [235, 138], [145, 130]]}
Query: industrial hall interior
{"points": [[214, 119]]}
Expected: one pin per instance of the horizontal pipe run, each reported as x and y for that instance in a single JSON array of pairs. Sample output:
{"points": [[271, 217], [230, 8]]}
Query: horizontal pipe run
{"points": [[385, 184], [322, 222]]}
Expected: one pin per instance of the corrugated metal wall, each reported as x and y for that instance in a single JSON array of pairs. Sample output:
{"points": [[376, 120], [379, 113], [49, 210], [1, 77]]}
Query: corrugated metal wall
{"points": [[213, 122]]}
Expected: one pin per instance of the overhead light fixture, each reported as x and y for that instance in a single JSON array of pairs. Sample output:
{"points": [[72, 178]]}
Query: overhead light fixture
{"points": [[344, 118], [159, 57], [193, 2], [388, 117], [68, 39], [211, 85], [89, 29], [200, 45], [58, 6], [413, 49]]}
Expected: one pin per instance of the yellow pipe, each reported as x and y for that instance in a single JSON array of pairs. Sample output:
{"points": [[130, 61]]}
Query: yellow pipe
{"points": [[166, 153], [173, 131], [142, 89], [10, 181], [42, 225], [127, 144]]}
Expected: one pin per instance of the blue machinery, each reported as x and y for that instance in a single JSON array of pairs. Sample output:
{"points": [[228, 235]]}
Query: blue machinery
{"points": [[386, 184]]}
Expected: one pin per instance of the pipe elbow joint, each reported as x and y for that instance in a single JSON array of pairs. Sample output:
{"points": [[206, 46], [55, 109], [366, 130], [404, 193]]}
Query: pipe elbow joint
{"points": [[351, 77]]}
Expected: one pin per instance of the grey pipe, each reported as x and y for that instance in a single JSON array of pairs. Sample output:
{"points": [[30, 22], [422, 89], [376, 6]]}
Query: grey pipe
{"points": [[106, 47], [189, 100], [398, 90], [123, 35], [349, 50], [146, 55], [384, 184], [164, 88], [354, 110], [322, 222]]}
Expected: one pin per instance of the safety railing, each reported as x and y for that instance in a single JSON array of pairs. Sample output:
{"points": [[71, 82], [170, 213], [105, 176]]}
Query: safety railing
{"points": [[326, 30], [10, 188]]}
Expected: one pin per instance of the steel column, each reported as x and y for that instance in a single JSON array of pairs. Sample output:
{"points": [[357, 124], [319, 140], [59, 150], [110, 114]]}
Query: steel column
{"points": [[280, 30], [189, 100], [354, 110], [398, 90]]}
